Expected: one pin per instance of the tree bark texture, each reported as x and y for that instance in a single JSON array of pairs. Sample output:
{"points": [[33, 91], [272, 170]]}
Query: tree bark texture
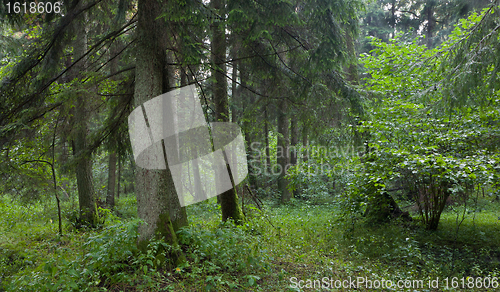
{"points": [[266, 133], [294, 140], [155, 189], [110, 196], [229, 199], [84, 180], [282, 153]]}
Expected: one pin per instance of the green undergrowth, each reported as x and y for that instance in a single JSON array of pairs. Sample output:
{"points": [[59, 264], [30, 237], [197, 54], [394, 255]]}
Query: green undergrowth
{"points": [[272, 251]]}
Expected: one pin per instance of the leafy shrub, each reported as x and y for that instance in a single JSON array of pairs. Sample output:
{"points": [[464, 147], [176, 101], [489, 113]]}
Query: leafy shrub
{"points": [[420, 141], [108, 259]]}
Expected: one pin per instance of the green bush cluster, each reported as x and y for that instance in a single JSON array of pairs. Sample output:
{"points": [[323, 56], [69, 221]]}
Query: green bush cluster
{"points": [[107, 258]]}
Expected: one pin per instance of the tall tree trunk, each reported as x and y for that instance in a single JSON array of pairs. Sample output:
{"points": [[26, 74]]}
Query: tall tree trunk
{"points": [[266, 133], [110, 196], [294, 140], [178, 214], [84, 180], [154, 188], [305, 142], [393, 19], [246, 101], [282, 151], [234, 88], [249, 138], [194, 163], [430, 22], [229, 199], [235, 102], [118, 184], [352, 69]]}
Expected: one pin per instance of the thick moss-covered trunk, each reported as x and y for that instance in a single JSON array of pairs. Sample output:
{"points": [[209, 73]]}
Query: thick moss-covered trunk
{"points": [[229, 199], [155, 189]]}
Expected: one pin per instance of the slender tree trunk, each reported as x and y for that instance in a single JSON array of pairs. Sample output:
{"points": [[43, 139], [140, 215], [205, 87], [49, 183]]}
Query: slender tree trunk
{"points": [[235, 102], [252, 181], [229, 199], [352, 70], [219, 58], [246, 100], [234, 88], [393, 18], [430, 23], [84, 180], [282, 151], [294, 140], [178, 214], [118, 184], [154, 188], [353, 77], [305, 143], [266, 133], [110, 196]]}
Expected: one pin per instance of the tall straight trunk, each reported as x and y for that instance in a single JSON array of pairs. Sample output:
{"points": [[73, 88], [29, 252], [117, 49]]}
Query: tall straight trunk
{"points": [[154, 188], [393, 18], [282, 151], [246, 101], [235, 102], [229, 199], [178, 214], [84, 180], [352, 69], [294, 140], [110, 196], [218, 48], [118, 184], [430, 23], [252, 181], [234, 87], [266, 133], [305, 143]]}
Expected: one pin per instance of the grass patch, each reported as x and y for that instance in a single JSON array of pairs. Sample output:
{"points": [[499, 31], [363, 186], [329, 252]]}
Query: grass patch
{"points": [[270, 252]]}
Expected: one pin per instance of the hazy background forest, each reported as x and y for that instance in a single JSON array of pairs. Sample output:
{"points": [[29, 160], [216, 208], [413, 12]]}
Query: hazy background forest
{"points": [[371, 129]]}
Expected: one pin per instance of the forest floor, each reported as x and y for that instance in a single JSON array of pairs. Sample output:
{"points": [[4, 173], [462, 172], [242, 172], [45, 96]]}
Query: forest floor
{"points": [[297, 247]]}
